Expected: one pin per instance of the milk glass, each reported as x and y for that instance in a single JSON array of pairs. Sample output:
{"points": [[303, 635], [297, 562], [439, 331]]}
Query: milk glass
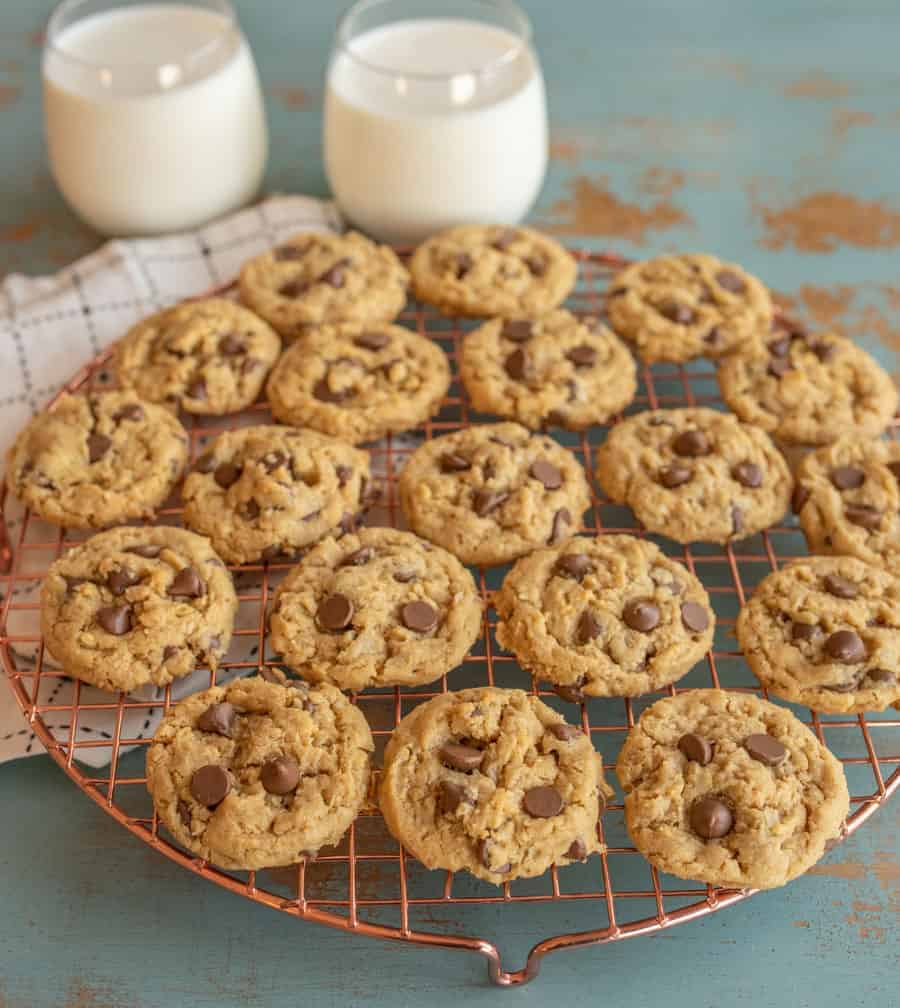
{"points": [[435, 115], [153, 113]]}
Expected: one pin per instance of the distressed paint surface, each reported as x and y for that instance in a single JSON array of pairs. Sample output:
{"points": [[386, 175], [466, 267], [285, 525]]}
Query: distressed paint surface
{"points": [[766, 132]]}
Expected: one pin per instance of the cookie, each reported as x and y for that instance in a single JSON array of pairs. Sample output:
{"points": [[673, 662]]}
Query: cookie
{"points": [[259, 775], [809, 388], [359, 382], [825, 632], [207, 357], [729, 789], [317, 279], [134, 606], [494, 782], [376, 608], [486, 270], [491, 493], [677, 307], [261, 492], [555, 371], [607, 616], [695, 475], [96, 460], [848, 499]]}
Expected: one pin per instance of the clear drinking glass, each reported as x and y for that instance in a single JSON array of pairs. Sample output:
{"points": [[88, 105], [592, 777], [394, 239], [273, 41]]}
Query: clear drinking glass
{"points": [[153, 112], [435, 115]]}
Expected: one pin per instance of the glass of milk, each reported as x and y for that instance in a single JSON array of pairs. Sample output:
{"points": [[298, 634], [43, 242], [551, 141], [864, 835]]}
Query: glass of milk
{"points": [[153, 113], [435, 115]]}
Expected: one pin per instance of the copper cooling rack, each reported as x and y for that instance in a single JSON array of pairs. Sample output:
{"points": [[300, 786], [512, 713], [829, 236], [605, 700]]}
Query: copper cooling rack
{"points": [[369, 885]]}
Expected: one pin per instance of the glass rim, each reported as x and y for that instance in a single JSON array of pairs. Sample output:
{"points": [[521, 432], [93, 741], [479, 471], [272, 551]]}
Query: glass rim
{"points": [[523, 30], [54, 30]]}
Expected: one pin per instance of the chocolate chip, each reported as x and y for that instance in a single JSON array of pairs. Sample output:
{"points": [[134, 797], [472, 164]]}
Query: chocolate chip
{"points": [[97, 445], [577, 850], [405, 576], [323, 391], [280, 776], [486, 501], [130, 412], [573, 565], [713, 337], [196, 389], [846, 647], [169, 651], [737, 520], [336, 275], [730, 281], [696, 748], [452, 462], [250, 364], [847, 477], [694, 616], [293, 288], [799, 498], [564, 732], [206, 463], [881, 675], [588, 628], [227, 474], [536, 266], [779, 366], [115, 619], [779, 347], [692, 443], [210, 784], [543, 802], [841, 587], [675, 476], [506, 237], [516, 365], [121, 579], [187, 583], [678, 313], [711, 818], [372, 340], [748, 474], [641, 615], [251, 509], [555, 418], [462, 264], [484, 856], [616, 292], [765, 749], [450, 796], [358, 558], [572, 692], [546, 473], [824, 351], [184, 812], [335, 613], [460, 757], [582, 355], [863, 515], [419, 616], [805, 631], [895, 470], [231, 346], [517, 330], [561, 521], [343, 474], [291, 253], [218, 718], [146, 550]]}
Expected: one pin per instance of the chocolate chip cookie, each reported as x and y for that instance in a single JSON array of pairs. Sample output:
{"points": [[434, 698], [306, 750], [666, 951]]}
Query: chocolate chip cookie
{"points": [[259, 775], [96, 460], [494, 782], [677, 307], [555, 371], [848, 499], [728, 789], [491, 493], [487, 270], [375, 608], [133, 606], [825, 632], [359, 382], [267, 491], [208, 357], [316, 279], [609, 616], [695, 475], [808, 388]]}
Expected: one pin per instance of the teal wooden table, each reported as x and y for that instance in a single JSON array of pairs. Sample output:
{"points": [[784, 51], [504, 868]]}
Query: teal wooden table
{"points": [[766, 132]]}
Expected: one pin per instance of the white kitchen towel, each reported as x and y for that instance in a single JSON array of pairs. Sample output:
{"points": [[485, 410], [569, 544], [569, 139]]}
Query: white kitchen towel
{"points": [[49, 327]]}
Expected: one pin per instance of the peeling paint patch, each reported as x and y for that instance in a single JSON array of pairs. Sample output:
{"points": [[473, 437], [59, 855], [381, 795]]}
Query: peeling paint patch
{"points": [[564, 150], [8, 94], [845, 119], [851, 870], [816, 85], [84, 995], [801, 923], [827, 305], [291, 97]]}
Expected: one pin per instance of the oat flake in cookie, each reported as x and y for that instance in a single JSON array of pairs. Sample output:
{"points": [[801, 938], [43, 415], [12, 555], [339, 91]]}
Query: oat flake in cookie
{"points": [[316, 279], [607, 616], [677, 307], [488, 270], [95, 460], [260, 775], [848, 500], [491, 493], [555, 371], [359, 381], [208, 357], [729, 789], [268, 491], [695, 475], [494, 782], [141, 605], [825, 632], [808, 388], [376, 608]]}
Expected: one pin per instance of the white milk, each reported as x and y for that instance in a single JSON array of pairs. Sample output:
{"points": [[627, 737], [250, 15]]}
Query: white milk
{"points": [[407, 156], [148, 131]]}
